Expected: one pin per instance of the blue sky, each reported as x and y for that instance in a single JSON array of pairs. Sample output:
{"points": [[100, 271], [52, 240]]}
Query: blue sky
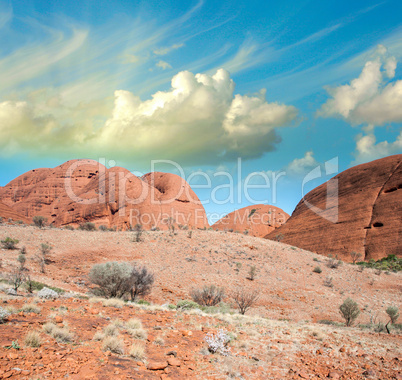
{"points": [[285, 86]]}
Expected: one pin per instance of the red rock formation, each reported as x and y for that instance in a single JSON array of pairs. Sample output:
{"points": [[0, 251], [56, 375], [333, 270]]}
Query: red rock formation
{"points": [[84, 190], [369, 214], [258, 220], [8, 213]]}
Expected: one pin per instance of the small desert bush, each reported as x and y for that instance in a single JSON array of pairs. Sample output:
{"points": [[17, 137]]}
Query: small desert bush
{"points": [[102, 228], [138, 230], [9, 243], [32, 339], [143, 302], [62, 335], [217, 343], [187, 304], [88, 226], [137, 351], [317, 270], [252, 273], [333, 263], [245, 299], [39, 221], [141, 281], [47, 293], [113, 344], [112, 278], [35, 285], [31, 308], [208, 296], [349, 311], [393, 313]]}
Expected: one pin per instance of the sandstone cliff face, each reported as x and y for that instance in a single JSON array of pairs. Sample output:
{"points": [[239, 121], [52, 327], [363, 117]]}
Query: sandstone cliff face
{"points": [[84, 190], [8, 213], [258, 220], [369, 214]]}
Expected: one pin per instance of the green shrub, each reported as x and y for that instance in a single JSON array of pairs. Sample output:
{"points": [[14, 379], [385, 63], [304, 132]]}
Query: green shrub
{"points": [[143, 302], [349, 311], [39, 221], [35, 285], [115, 279], [317, 269], [187, 304], [88, 226], [9, 243], [112, 278], [389, 263], [252, 273], [252, 212], [393, 313]]}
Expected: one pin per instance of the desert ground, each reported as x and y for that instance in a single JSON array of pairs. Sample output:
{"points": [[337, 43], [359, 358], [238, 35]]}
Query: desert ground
{"points": [[294, 330]]}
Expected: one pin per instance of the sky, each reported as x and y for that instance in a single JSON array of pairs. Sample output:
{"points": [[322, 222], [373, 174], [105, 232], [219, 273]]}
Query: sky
{"points": [[241, 98]]}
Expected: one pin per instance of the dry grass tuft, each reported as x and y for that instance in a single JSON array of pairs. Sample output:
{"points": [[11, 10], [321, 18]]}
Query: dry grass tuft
{"points": [[111, 330], [113, 302], [113, 344], [62, 335], [137, 351], [32, 339], [159, 341], [48, 327], [31, 308], [138, 333], [133, 324]]}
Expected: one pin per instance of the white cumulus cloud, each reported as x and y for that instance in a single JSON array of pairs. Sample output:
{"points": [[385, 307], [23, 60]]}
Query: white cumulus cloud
{"points": [[367, 148], [198, 120], [300, 166], [372, 98]]}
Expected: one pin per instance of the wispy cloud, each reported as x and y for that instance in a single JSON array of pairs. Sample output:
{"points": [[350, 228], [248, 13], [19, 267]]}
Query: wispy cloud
{"points": [[163, 65], [6, 15], [31, 61], [167, 50]]}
